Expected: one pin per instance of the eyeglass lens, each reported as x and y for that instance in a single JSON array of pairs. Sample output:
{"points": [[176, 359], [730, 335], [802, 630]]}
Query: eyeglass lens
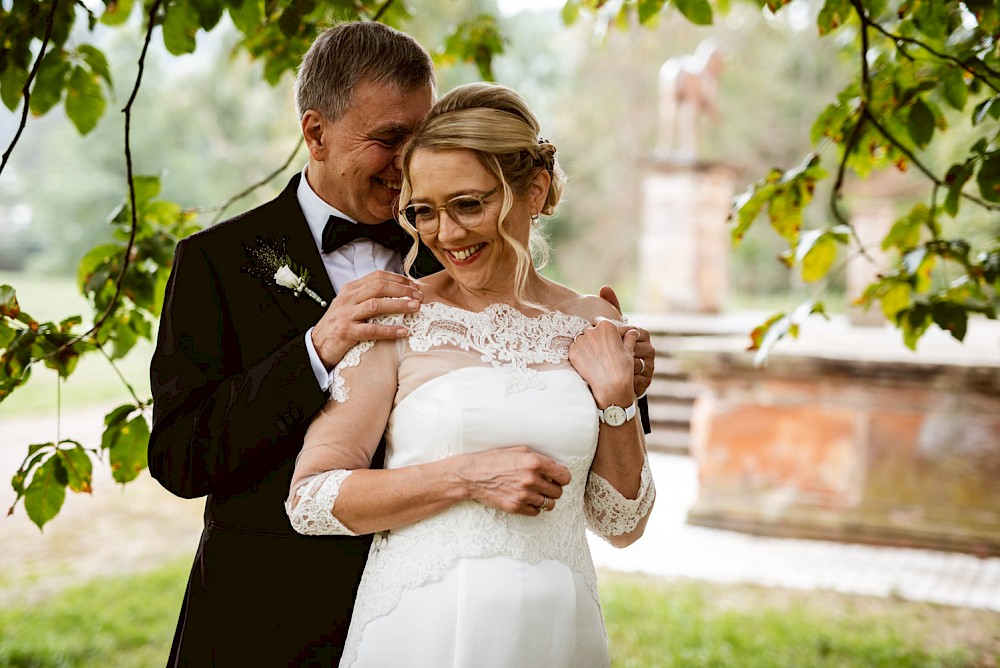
{"points": [[465, 210]]}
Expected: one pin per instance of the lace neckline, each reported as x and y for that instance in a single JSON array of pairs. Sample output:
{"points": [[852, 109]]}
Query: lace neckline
{"points": [[505, 338], [503, 311]]}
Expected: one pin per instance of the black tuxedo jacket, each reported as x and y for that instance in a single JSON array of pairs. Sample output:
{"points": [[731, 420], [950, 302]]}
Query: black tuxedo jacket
{"points": [[233, 394]]}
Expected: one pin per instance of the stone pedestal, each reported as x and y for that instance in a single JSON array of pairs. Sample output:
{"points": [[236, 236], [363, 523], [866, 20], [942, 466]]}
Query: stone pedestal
{"points": [[684, 241], [851, 439]]}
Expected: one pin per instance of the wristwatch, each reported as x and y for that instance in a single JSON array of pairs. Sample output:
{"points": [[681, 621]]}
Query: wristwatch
{"points": [[616, 416]]}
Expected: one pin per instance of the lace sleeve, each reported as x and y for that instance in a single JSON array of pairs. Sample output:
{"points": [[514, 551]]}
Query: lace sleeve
{"points": [[338, 387], [609, 513], [313, 514]]}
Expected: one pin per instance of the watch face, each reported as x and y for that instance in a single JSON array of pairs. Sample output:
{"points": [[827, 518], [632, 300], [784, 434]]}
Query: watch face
{"points": [[614, 416]]}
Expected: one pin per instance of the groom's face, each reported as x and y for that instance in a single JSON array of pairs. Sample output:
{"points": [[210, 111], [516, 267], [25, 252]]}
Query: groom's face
{"points": [[355, 165]]}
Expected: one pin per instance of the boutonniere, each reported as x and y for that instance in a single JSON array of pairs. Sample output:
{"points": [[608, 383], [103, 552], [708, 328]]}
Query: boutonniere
{"points": [[271, 263]]}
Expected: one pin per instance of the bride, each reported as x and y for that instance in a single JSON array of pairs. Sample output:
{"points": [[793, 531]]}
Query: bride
{"points": [[498, 359]]}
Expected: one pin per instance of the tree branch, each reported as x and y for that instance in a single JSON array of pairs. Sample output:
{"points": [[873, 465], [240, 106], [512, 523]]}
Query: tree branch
{"points": [[126, 255], [382, 9], [121, 377], [838, 187], [943, 56], [919, 165], [26, 91], [263, 182]]}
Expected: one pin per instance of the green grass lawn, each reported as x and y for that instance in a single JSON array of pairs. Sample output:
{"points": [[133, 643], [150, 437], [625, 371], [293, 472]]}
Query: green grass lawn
{"points": [[129, 621], [94, 381]]}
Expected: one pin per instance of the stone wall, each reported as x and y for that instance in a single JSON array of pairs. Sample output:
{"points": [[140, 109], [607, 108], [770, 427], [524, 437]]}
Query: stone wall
{"points": [[843, 441]]}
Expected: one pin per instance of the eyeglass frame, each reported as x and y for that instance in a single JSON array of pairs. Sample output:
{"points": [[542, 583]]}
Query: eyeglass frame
{"points": [[444, 207]]}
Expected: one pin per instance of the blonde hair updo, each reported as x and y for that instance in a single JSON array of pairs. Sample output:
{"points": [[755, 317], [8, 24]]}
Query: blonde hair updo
{"points": [[496, 124]]}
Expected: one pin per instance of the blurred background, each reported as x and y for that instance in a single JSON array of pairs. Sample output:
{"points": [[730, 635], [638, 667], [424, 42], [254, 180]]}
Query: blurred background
{"points": [[209, 126]]}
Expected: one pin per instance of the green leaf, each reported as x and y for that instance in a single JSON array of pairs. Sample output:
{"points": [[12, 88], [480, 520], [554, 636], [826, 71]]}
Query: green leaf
{"points": [[785, 213], [988, 177], [874, 7], [117, 416], [954, 89], [180, 25], [778, 326], [7, 333], [750, 203], [956, 178], [897, 296], [127, 454], [570, 12], [79, 468], [45, 495], [146, 188], [84, 100], [834, 14], [9, 308], [210, 12], [12, 80], [921, 123], [905, 232], [91, 264], [47, 89], [819, 257], [116, 12], [950, 317], [698, 12], [477, 40], [989, 107], [247, 16], [914, 322], [97, 62], [649, 9], [36, 452]]}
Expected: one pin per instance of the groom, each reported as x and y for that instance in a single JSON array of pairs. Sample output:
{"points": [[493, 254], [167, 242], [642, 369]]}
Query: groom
{"points": [[242, 364]]}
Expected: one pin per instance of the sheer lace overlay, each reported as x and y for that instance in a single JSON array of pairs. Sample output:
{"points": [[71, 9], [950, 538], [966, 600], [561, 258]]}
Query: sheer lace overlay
{"points": [[501, 335], [313, 514], [338, 388], [610, 513]]}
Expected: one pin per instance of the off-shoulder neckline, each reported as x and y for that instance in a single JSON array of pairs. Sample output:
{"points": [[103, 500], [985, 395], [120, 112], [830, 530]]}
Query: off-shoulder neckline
{"points": [[501, 307]]}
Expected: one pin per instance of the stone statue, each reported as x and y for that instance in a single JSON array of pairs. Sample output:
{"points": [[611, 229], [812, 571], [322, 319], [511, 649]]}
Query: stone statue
{"points": [[688, 89]]}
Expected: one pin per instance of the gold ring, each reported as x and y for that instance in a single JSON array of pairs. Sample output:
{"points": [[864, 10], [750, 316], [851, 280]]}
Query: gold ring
{"points": [[545, 503]]}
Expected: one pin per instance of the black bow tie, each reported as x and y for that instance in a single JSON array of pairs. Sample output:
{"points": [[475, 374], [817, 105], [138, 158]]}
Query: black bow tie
{"points": [[339, 232]]}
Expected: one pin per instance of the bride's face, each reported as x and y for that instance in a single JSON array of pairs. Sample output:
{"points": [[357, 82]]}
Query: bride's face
{"points": [[456, 205]]}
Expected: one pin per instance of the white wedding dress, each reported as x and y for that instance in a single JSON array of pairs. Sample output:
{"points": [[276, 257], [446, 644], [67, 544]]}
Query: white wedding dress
{"points": [[474, 586]]}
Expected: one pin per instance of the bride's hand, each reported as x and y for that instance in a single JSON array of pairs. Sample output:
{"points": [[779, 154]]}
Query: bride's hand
{"points": [[605, 359], [516, 480]]}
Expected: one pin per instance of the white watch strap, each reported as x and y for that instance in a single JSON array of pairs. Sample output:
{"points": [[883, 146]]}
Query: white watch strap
{"points": [[629, 412]]}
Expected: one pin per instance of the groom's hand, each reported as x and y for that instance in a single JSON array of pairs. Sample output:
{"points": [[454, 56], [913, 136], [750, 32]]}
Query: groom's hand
{"points": [[645, 354], [345, 321], [516, 480]]}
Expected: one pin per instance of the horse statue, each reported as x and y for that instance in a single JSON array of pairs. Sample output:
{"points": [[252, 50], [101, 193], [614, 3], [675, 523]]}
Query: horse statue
{"points": [[688, 90]]}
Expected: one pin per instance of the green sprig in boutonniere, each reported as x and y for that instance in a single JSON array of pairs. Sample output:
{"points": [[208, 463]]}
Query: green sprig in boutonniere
{"points": [[270, 262]]}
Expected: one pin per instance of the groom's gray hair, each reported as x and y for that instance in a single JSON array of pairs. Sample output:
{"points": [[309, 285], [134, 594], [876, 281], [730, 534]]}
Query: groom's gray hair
{"points": [[351, 52]]}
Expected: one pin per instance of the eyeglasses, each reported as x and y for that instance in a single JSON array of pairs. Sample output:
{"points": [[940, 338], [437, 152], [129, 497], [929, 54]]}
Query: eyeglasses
{"points": [[465, 210]]}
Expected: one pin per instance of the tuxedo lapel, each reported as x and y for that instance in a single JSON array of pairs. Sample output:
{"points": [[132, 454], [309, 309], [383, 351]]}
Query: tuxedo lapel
{"points": [[286, 222]]}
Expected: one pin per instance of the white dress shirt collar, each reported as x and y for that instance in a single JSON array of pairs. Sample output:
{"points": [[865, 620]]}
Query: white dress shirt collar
{"points": [[315, 209]]}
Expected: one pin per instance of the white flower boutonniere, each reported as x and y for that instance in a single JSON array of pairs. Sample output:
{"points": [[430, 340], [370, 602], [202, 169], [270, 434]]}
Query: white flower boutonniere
{"points": [[271, 263]]}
